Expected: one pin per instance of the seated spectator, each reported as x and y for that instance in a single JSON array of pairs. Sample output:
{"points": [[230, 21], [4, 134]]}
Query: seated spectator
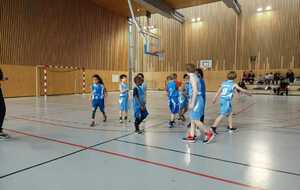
{"points": [[251, 77], [283, 87], [260, 80], [267, 82], [277, 76], [290, 76], [245, 77]]}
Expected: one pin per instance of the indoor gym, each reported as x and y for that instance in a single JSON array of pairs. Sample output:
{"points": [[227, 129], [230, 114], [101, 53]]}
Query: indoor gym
{"points": [[51, 50]]}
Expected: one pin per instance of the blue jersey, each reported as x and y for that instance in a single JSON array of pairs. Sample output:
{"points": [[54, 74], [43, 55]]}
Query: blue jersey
{"points": [[227, 90], [172, 90], [97, 91], [203, 89], [138, 92], [190, 88], [198, 110], [124, 87]]}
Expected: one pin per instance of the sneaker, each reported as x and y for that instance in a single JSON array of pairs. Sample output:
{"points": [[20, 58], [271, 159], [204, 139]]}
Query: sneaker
{"points": [[232, 130], [171, 124], [92, 124], [209, 137], [189, 125], [190, 139], [214, 130], [121, 120], [4, 136], [138, 131], [105, 118]]}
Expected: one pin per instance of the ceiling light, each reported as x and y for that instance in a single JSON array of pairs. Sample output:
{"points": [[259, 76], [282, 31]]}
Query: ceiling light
{"points": [[259, 9], [193, 20], [268, 8], [198, 19]]}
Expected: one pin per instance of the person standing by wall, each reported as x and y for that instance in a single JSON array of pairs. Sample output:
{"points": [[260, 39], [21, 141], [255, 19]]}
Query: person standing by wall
{"points": [[2, 108]]}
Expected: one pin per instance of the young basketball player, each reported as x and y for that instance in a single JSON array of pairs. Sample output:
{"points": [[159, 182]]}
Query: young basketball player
{"points": [[226, 92], [97, 98], [2, 108], [139, 104], [144, 85], [196, 104], [184, 98], [124, 98], [199, 73], [173, 99]]}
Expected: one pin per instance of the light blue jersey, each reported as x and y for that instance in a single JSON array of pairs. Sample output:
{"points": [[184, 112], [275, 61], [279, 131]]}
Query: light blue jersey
{"points": [[198, 110], [97, 91], [227, 92], [184, 96], [98, 97], [173, 97], [124, 95], [139, 93]]}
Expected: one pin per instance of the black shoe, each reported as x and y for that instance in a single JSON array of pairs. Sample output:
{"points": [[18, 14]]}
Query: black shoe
{"points": [[121, 120], [4, 136], [138, 131], [92, 124], [232, 130], [214, 130], [171, 124], [189, 125], [105, 118]]}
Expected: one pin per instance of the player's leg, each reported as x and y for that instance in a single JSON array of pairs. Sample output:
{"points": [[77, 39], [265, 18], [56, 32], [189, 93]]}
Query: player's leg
{"points": [[2, 115]]}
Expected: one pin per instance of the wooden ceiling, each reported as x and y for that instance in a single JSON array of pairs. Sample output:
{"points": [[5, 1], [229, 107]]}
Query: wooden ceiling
{"points": [[179, 4], [121, 7]]}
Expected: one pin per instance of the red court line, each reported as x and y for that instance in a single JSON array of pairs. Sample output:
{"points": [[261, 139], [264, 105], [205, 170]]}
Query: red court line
{"points": [[226, 181], [64, 126]]}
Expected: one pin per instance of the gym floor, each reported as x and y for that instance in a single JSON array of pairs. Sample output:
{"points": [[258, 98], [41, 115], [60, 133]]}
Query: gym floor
{"points": [[53, 148]]}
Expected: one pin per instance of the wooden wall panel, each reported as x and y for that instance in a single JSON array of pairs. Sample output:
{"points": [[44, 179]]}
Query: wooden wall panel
{"points": [[211, 38], [62, 32], [21, 80], [273, 36]]}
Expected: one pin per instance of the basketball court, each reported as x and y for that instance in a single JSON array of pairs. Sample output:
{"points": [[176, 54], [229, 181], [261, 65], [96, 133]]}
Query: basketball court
{"points": [[51, 144]]}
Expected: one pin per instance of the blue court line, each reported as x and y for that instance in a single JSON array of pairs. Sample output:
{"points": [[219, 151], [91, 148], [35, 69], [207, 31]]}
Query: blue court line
{"points": [[208, 157]]}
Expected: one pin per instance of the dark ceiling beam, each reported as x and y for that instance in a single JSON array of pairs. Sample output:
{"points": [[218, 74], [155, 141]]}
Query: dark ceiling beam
{"points": [[159, 6], [234, 4]]}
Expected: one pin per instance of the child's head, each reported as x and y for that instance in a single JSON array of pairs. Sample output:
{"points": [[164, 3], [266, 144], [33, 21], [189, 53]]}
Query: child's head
{"points": [[231, 75], [123, 78], [190, 68], [186, 77], [138, 80], [174, 76], [199, 72], [169, 77], [141, 75], [97, 79]]}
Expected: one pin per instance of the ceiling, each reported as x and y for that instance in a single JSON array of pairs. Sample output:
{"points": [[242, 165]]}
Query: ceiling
{"points": [[121, 7], [179, 4]]}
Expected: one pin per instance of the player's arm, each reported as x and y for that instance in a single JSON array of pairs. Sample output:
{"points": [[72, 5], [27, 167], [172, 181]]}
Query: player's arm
{"points": [[241, 89], [217, 95], [194, 94], [91, 94]]}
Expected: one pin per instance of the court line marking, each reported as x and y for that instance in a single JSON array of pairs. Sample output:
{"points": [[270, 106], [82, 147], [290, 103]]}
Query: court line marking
{"points": [[208, 157], [162, 165], [66, 143], [63, 125]]}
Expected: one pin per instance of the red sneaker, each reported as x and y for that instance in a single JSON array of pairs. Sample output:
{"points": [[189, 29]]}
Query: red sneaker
{"points": [[209, 137]]}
